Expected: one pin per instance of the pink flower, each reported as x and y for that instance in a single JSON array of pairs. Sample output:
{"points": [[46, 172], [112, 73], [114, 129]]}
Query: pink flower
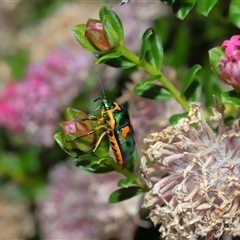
{"points": [[33, 105], [75, 206], [231, 44]]}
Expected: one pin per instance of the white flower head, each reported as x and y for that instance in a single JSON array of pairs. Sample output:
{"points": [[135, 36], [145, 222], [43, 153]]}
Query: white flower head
{"points": [[193, 174]]}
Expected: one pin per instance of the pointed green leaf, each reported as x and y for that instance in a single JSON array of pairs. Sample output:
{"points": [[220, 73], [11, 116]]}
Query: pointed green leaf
{"points": [[232, 97], [94, 164], [190, 77], [120, 62], [124, 194], [124, 183], [181, 8], [234, 10], [204, 7], [114, 20], [193, 93], [108, 56], [152, 91], [110, 34], [144, 46], [153, 50], [78, 31], [175, 118]]}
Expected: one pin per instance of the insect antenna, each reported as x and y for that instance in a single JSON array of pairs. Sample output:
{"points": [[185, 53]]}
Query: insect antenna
{"points": [[103, 91]]}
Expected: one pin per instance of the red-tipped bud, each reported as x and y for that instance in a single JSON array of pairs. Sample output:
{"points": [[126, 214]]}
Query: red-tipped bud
{"points": [[95, 34]]}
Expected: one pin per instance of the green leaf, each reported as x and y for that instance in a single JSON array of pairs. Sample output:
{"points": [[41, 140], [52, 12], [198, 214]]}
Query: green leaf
{"points": [[94, 164], [181, 8], [234, 10], [175, 118], [193, 93], [144, 46], [71, 113], [124, 193], [190, 77], [153, 49], [68, 148], [232, 97], [124, 183], [120, 62], [215, 55], [59, 139], [114, 20], [78, 31], [204, 7], [109, 32], [106, 57], [152, 91]]}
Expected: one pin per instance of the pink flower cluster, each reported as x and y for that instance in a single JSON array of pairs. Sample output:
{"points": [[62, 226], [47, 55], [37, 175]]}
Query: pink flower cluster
{"points": [[76, 206], [230, 63], [33, 104]]}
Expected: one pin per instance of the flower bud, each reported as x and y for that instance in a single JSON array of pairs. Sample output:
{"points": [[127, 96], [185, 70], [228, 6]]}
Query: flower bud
{"points": [[229, 65], [95, 34], [73, 128]]}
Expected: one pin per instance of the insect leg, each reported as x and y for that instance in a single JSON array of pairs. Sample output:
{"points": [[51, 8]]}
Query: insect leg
{"points": [[95, 110], [91, 119], [87, 134], [99, 141]]}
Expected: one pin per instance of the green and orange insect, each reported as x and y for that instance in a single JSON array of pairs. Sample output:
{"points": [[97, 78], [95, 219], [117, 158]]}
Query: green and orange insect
{"points": [[118, 127]]}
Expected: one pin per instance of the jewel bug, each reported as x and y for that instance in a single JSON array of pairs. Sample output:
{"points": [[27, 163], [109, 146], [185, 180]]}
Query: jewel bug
{"points": [[118, 127]]}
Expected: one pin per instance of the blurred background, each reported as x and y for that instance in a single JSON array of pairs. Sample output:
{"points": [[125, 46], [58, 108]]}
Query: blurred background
{"points": [[43, 70]]}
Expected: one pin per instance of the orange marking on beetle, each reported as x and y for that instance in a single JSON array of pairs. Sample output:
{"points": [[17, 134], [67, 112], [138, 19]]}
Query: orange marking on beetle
{"points": [[125, 131]]}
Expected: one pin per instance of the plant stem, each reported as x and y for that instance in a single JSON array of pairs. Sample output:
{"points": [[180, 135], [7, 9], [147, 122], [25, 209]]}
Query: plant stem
{"points": [[126, 173], [163, 79]]}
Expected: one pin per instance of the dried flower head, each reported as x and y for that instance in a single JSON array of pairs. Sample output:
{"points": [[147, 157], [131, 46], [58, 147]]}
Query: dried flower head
{"points": [[194, 177]]}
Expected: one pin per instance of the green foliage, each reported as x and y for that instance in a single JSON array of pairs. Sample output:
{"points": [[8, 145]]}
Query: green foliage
{"points": [[232, 97], [192, 87], [78, 31], [124, 193], [147, 89], [182, 8], [234, 10], [113, 21], [151, 49], [94, 164]]}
